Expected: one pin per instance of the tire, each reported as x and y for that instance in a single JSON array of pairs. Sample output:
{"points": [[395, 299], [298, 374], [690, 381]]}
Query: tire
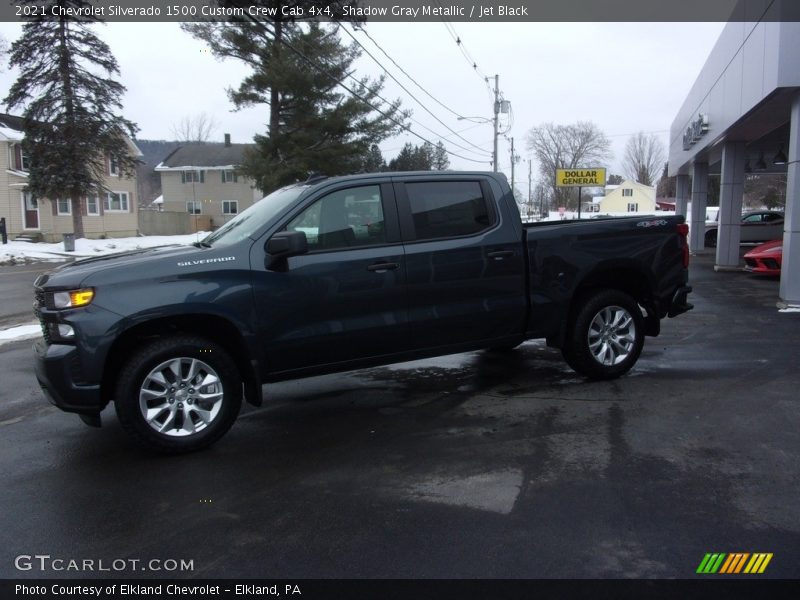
{"points": [[606, 336], [158, 382], [711, 238]]}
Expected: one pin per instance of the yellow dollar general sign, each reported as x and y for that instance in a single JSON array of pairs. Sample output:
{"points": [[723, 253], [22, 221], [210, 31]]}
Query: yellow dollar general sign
{"points": [[593, 177], [733, 563]]}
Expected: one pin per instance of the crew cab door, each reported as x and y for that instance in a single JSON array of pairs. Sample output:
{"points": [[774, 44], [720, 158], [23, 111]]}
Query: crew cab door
{"points": [[464, 262], [346, 298]]}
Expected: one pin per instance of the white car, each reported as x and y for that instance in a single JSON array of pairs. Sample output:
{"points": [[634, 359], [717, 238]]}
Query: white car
{"points": [[757, 226]]}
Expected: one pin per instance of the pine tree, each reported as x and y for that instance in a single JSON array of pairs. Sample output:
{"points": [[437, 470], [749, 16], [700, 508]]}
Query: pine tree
{"points": [[315, 125], [440, 159], [373, 162], [70, 103], [411, 158]]}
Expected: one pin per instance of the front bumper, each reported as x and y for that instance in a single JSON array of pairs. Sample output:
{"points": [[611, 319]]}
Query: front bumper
{"points": [[762, 266], [679, 303], [58, 372]]}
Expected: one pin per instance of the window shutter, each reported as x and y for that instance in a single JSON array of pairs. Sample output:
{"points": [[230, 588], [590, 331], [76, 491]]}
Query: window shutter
{"points": [[18, 157], [107, 165], [202, 176], [235, 177], [183, 177], [54, 204], [223, 176]]}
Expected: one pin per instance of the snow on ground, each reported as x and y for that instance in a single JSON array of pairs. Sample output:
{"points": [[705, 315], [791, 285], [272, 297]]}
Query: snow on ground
{"points": [[20, 332], [554, 215], [22, 252]]}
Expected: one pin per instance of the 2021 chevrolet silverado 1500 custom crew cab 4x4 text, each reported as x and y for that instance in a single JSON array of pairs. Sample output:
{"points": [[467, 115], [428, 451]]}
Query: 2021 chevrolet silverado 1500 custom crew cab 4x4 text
{"points": [[341, 273]]}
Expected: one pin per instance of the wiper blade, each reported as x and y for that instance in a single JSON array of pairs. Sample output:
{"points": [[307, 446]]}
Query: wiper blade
{"points": [[202, 245]]}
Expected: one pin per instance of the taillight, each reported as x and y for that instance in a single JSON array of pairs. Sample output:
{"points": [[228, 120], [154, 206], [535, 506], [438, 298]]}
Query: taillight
{"points": [[683, 232]]}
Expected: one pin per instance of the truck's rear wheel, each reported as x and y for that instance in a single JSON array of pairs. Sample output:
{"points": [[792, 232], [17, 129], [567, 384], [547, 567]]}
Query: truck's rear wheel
{"points": [[178, 394], [606, 335]]}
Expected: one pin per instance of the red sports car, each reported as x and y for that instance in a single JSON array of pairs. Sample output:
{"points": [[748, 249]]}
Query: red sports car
{"points": [[765, 259]]}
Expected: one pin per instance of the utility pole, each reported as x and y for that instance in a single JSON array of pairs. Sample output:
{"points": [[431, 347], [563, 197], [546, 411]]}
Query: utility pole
{"points": [[513, 161], [496, 120], [530, 197]]}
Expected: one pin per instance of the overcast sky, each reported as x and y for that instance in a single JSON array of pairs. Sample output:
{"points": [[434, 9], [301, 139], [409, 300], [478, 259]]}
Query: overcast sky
{"points": [[625, 77]]}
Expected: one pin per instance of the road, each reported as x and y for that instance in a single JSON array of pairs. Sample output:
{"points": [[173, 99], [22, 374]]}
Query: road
{"points": [[16, 284], [474, 465]]}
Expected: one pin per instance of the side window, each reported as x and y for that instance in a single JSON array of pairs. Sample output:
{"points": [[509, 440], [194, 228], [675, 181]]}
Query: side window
{"points": [[769, 218], [443, 209], [345, 218], [752, 219]]}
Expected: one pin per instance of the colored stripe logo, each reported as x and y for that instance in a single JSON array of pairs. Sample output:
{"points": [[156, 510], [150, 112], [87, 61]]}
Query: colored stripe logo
{"points": [[734, 563]]}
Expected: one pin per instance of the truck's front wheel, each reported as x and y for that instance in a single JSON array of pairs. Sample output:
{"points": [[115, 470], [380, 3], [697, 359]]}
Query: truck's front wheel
{"points": [[606, 335], [178, 394]]}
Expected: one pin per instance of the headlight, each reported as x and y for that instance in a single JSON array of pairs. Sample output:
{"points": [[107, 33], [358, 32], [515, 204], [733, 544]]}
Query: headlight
{"points": [[73, 299]]}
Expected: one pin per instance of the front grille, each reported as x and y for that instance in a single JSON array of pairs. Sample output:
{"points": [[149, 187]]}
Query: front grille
{"points": [[45, 331], [770, 263], [750, 262], [38, 298], [38, 304]]}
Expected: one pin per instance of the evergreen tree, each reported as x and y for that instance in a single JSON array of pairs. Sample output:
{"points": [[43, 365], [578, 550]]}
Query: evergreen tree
{"points": [[404, 160], [413, 158], [373, 161], [440, 159], [314, 124], [666, 185], [426, 156], [71, 126]]}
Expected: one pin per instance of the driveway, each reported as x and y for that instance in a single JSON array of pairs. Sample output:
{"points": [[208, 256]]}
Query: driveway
{"points": [[469, 466]]}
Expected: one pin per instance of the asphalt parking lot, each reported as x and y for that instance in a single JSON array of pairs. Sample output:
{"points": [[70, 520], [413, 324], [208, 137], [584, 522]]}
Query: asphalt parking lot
{"points": [[467, 466]]}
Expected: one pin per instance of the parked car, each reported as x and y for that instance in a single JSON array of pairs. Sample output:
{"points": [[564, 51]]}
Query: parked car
{"points": [[343, 273], [765, 259], [757, 226]]}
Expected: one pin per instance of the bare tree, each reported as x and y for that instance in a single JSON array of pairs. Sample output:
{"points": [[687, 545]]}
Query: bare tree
{"points": [[578, 145], [3, 53], [644, 158], [195, 129]]}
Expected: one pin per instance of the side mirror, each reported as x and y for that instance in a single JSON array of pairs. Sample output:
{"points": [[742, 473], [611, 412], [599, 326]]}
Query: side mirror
{"points": [[287, 243]]}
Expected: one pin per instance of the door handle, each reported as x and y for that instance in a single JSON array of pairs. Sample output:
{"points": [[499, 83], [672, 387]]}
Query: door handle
{"points": [[383, 267], [500, 254]]}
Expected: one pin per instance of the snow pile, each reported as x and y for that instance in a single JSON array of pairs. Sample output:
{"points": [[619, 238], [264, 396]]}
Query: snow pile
{"points": [[22, 252], [20, 332]]}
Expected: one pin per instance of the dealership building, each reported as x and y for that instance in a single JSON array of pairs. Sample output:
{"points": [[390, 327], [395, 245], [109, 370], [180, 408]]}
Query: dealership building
{"points": [[742, 115]]}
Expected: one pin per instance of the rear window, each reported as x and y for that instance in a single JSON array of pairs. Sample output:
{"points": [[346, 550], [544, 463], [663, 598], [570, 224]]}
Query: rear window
{"points": [[443, 209]]}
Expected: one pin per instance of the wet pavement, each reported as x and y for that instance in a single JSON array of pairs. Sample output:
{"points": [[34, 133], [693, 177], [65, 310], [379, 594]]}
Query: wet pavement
{"points": [[16, 283], [473, 465]]}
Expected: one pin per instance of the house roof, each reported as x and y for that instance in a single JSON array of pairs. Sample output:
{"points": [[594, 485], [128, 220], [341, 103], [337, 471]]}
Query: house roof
{"points": [[11, 121], [207, 155], [11, 127], [628, 183]]}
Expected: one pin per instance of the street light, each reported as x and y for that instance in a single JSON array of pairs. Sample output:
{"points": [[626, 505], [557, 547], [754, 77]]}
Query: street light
{"points": [[485, 120]]}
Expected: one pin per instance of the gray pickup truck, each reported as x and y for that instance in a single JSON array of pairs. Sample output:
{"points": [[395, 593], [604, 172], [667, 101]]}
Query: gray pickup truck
{"points": [[341, 273]]}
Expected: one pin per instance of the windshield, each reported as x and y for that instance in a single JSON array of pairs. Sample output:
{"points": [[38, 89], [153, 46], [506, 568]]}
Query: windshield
{"points": [[248, 221]]}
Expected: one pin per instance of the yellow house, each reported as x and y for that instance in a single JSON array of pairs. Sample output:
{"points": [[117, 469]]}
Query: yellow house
{"points": [[629, 197], [110, 213]]}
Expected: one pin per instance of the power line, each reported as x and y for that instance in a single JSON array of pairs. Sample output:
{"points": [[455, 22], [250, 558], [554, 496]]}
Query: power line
{"points": [[404, 72], [457, 39], [372, 106], [637, 133], [405, 89]]}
